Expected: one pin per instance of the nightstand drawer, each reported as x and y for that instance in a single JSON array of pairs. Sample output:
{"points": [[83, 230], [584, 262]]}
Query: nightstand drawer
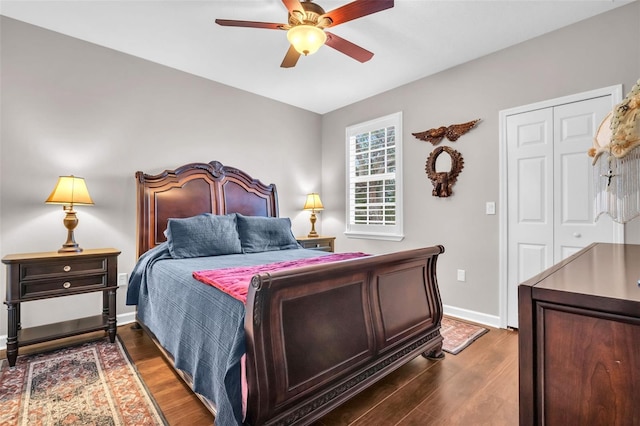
{"points": [[317, 243], [30, 271], [61, 286]]}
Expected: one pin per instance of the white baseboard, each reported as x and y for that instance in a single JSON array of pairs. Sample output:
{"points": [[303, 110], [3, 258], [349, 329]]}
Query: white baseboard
{"points": [[121, 319], [127, 318], [479, 317]]}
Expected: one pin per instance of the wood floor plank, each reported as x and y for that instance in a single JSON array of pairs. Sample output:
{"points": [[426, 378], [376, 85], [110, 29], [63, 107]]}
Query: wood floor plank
{"points": [[399, 404], [479, 384], [481, 392], [376, 394]]}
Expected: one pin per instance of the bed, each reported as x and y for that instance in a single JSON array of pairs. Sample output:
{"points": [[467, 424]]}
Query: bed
{"points": [[306, 339]]}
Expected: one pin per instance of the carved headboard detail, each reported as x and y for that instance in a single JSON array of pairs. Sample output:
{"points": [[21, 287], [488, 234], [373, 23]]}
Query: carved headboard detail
{"points": [[194, 189]]}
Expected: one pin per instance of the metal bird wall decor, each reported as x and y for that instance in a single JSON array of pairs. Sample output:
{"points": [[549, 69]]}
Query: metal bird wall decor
{"points": [[452, 132]]}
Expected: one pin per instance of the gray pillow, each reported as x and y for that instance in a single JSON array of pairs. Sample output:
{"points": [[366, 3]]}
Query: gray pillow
{"points": [[203, 235], [258, 234]]}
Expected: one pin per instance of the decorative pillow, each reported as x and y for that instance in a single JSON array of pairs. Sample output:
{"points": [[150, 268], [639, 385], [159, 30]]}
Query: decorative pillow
{"points": [[203, 235], [258, 234]]}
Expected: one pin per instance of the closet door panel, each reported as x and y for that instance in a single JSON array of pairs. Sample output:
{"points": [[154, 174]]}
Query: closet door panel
{"points": [[530, 193], [575, 125]]}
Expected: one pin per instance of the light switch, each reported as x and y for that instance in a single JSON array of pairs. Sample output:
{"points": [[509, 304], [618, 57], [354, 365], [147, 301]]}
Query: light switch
{"points": [[490, 207]]}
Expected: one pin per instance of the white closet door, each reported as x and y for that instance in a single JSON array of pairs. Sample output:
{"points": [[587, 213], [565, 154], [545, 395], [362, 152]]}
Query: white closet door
{"points": [[550, 198], [574, 226], [530, 199]]}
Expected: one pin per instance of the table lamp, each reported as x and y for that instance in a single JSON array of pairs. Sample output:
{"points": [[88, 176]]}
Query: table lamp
{"points": [[314, 204], [70, 190]]}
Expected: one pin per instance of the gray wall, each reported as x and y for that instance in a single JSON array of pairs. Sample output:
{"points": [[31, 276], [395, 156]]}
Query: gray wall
{"points": [[595, 53], [71, 107]]}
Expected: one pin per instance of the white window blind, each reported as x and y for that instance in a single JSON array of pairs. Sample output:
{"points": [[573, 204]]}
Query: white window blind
{"points": [[374, 179]]}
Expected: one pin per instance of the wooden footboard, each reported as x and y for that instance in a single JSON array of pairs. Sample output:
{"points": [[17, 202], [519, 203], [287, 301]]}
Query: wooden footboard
{"points": [[316, 336]]}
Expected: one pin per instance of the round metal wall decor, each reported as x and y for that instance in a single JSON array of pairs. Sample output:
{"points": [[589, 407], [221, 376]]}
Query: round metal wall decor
{"points": [[443, 181]]}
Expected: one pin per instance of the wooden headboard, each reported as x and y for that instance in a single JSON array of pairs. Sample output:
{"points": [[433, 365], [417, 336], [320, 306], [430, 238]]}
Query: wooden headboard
{"points": [[194, 189]]}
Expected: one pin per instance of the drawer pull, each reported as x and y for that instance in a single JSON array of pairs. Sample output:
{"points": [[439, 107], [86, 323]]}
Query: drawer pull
{"points": [[66, 284], [67, 268]]}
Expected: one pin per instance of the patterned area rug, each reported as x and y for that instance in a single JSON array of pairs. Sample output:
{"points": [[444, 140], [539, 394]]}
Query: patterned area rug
{"points": [[458, 335], [91, 384]]}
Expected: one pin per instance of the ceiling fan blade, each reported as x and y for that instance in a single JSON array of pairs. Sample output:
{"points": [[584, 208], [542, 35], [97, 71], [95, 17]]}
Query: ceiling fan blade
{"points": [[357, 9], [353, 50], [292, 5], [250, 24], [291, 58]]}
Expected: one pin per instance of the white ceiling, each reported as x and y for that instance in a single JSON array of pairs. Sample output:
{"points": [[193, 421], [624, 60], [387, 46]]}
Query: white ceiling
{"points": [[412, 40]]}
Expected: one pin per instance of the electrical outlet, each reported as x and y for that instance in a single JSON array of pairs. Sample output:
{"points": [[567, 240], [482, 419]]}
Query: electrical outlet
{"points": [[123, 279], [490, 207], [462, 275]]}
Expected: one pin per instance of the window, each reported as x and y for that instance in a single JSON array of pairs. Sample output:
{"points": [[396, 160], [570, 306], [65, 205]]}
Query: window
{"points": [[374, 179]]}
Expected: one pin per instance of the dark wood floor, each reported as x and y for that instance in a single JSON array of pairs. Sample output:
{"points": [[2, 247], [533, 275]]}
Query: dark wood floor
{"points": [[479, 386]]}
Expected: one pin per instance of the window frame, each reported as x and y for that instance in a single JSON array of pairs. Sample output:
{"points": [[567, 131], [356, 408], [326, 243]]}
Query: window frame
{"points": [[369, 231]]}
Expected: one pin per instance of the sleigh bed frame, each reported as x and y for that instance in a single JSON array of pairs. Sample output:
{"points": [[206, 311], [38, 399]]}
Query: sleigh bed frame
{"points": [[394, 308]]}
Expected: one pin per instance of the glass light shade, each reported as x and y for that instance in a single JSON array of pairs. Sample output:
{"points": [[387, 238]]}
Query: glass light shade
{"points": [[313, 202], [306, 39], [616, 152], [70, 190]]}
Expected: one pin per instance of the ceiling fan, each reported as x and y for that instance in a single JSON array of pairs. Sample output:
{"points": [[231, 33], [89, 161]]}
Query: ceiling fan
{"points": [[306, 27]]}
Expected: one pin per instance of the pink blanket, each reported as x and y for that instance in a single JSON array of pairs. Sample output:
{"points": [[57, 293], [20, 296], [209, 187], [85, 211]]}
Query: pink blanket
{"points": [[235, 281]]}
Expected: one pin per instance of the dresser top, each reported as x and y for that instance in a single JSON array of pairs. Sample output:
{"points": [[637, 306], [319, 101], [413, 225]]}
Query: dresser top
{"points": [[601, 269]]}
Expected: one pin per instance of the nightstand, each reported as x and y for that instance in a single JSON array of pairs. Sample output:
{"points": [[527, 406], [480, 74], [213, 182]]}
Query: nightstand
{"points": [[38, 276], [317, 243]]}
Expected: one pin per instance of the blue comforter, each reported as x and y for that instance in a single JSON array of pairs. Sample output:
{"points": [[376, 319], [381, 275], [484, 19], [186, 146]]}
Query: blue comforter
{"points": [[199, 325]]}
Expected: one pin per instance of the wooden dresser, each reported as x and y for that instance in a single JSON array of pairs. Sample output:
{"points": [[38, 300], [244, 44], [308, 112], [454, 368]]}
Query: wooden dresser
{"points": [[579, 340]]}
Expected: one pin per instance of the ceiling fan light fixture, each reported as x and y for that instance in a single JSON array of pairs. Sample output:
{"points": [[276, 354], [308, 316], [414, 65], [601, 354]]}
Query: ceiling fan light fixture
{"points": [[306, 39]]}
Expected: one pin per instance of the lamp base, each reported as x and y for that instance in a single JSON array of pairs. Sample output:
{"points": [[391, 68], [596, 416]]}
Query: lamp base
{"points": [[70, 249], [313, 232], [70, 222]]}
